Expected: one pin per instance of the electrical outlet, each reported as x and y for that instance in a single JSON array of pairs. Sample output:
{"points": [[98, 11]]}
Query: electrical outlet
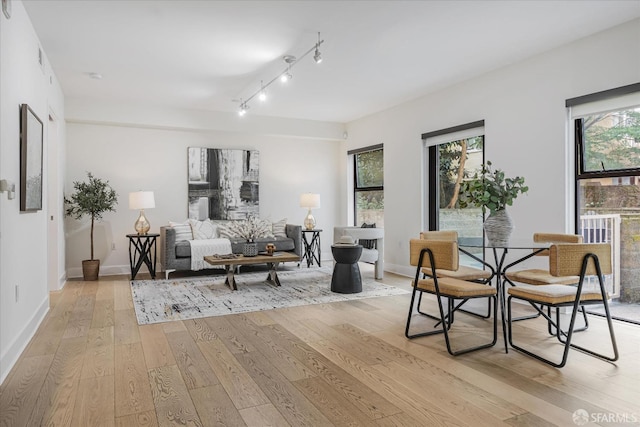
{"points": [[17, 293]]}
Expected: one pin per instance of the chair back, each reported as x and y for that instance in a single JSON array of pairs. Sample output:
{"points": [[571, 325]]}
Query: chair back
{"points": [[445, 253], [448, 235], [567, 259], [555, 238]]}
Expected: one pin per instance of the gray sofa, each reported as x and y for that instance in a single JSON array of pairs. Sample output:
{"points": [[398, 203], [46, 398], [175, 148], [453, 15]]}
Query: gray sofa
{"points": [[177, 256]]}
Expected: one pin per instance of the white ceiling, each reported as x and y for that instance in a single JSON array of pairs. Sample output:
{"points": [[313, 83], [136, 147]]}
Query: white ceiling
{"points": [[377, 54]]}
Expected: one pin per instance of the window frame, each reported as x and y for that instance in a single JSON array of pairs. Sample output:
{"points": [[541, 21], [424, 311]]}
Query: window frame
{"points": [[607, 96], [356, 188]]}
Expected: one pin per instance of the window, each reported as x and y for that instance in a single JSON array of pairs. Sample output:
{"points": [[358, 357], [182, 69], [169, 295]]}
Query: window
{"points": [[607, 192], [454, 154], [368, 189], [609, 141]]}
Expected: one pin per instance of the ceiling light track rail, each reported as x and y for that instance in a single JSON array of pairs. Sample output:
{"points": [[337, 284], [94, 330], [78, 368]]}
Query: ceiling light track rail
{"points": [[284, 76]]}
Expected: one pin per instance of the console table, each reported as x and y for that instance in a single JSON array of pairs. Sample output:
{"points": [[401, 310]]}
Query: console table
{"points": [[142, 249], [311, 248]]}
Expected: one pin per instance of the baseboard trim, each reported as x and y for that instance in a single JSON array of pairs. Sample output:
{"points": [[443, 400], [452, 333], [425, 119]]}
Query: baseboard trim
{"points": [[9, 358]]}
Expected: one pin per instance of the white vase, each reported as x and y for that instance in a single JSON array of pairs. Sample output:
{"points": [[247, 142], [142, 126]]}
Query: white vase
{"points": [[498, 227]]}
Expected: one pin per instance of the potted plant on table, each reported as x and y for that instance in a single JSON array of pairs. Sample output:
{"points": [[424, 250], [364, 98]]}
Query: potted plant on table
{"points": [[250, 230], [492, 190], [92, 198]]}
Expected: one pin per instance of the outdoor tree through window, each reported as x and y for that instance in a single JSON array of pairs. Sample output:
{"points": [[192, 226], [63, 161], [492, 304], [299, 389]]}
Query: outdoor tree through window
{"points": [[369, 188]]}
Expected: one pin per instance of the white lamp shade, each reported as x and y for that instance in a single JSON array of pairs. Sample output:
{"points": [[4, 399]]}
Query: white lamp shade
{"points": [[142, 200], [310, 200]]}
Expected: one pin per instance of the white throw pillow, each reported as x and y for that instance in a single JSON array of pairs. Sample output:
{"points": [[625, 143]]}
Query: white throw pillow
{"points": [[279, 228], [203, 230], [183, 231]]}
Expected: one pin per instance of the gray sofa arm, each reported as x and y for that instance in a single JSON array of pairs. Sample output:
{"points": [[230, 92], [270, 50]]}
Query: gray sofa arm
{"points": [[168, 247], [295, 232]]}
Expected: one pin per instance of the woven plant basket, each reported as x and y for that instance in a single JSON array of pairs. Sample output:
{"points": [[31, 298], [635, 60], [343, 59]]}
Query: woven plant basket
{"points": [[90, 269], [250, 249]]}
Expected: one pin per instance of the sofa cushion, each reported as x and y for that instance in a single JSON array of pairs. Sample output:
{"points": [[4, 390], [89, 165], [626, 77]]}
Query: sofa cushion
{"points": [[183, 249], [285, 244], [278, 228], [203, 230], [368, 243], [183, 231]]}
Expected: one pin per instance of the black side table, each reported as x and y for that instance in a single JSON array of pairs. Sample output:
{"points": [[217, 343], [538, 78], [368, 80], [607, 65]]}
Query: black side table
{"points": [[311, 247], [346, 277], [142, 249]]}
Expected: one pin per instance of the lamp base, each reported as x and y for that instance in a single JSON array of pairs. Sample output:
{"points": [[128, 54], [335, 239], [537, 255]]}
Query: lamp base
{"points": [[142, 226], [309, 221]]}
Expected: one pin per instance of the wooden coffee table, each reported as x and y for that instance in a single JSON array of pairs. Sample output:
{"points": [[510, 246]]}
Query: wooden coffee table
{"points": [[271, 261]]}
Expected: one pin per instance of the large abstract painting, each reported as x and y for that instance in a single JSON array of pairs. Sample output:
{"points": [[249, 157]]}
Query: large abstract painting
{"points": [[223, 183]]}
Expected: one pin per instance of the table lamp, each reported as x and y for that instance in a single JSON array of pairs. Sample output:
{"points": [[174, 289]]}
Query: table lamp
{"points": [[310, 201], [142, 200]]}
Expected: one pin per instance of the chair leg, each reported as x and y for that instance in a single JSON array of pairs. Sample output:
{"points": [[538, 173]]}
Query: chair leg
{"points": [[569, 334], [410, 315], [478, 347]]}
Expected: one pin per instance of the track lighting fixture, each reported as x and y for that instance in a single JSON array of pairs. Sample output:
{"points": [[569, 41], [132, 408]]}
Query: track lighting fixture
{"points": [[243, 109], [317, 56], [284, 76]]}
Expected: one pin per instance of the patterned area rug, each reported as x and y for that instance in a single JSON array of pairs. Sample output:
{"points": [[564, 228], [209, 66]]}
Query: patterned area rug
{"points": [[188, 298]]}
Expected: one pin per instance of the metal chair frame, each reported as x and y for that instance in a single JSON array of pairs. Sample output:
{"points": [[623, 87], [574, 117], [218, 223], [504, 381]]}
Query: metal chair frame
{"points": [[445, 320], [576, 304]]}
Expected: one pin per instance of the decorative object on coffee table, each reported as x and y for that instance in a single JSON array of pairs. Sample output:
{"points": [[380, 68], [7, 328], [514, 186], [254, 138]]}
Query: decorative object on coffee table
{"points": [[250, 229], [491, 190], [309, 201]]}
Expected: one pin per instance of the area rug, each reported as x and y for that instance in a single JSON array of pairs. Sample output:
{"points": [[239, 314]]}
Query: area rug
{"points": [[158, 301]]}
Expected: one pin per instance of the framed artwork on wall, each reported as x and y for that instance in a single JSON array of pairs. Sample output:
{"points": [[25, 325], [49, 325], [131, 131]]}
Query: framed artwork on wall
{"points": [[31, 135], [223, 183]]}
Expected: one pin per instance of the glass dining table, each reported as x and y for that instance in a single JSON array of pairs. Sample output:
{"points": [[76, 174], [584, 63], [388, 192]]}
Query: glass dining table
{"points": [[500, 264]]}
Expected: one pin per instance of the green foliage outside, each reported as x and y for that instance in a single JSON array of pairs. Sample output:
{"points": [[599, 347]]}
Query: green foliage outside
{"points": [[370, 169], [92, 198], [452, 158], [612, 140], [369, 173]]}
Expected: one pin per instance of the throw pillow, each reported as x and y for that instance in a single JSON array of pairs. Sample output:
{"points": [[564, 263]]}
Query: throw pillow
{"points": [[183, 231], [203, 229], [279, 228], [368, 243], [225, 232]]}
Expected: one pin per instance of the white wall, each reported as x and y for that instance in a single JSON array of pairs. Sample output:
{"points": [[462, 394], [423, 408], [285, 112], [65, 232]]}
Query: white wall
{"points": [[525, 128], [23, 236], [149, 157]]}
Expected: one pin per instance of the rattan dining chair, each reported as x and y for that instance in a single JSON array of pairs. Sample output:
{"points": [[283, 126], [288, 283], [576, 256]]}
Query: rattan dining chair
{"points": [[568, 260], [537, 277], [464, 272], [443, 255]]}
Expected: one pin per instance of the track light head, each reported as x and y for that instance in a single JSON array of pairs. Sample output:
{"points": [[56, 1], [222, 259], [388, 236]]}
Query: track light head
{"points": [[317, 56], [243, 109], [285, 77]]}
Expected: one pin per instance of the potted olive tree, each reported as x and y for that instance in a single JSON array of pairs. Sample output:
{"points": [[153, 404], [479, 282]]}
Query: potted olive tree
{"points": [[92, 198], [492, 190]]}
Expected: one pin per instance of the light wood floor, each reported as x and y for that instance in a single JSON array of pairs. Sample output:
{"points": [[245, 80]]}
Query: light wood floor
{"points": [[348, 363]]}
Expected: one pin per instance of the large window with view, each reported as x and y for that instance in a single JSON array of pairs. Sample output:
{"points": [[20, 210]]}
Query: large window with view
{"points": [[608, 195], [369, 187]]}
